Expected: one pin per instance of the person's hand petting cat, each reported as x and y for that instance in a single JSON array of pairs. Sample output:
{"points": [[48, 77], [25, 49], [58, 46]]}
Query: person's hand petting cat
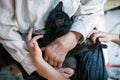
{"points": [[33, 47], [43, 68], [56, 52], [104, 37]]}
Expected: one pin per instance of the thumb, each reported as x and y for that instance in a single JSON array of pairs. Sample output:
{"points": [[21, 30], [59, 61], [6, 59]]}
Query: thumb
{"points": [[67, 72], [36, 46]]}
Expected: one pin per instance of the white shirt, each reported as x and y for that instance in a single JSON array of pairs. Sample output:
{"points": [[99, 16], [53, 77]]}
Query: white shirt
{"points": [[19, 15]]}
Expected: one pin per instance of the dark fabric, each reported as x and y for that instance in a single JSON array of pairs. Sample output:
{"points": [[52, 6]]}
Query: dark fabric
{"points": [[91, 65], [5, 59]]}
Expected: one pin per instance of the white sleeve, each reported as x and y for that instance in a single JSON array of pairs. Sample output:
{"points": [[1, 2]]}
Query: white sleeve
{"points": [[10, 37], [87, 16]]}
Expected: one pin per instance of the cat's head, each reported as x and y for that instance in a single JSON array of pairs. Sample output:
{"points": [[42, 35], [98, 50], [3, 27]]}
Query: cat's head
{"points": [[58, 19]]}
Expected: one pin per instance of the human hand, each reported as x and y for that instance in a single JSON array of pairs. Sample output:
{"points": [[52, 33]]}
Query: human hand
{"points": [[56, 52], [101, 36], [32, 44], [67, 72]]}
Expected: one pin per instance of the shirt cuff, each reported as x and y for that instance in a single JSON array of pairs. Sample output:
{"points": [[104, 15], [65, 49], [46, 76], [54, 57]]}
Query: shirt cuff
{"points": [[28, 65]]}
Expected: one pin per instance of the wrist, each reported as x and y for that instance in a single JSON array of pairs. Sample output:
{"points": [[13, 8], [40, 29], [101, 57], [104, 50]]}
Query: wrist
{"points": [[73, 39], [119, 39], [78, 36], [115, 38], [36, 58]]}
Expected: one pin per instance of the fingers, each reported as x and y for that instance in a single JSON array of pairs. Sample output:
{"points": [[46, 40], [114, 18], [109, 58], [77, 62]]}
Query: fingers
{"points": [[29, 37], [30, 34], [91, 32], [32, 42], [53, 59], [55, 63], [94, 35], [60, 63], [47, 53], [104, 39], [50, 61], [49, 56], [66, 75], [36, 38], [67, 72], [94, 38], [46, 57]]}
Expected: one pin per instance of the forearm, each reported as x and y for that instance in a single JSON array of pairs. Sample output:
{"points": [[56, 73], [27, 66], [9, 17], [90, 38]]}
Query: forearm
{"points": [[47, 71], [78, 36], [115, 38]]}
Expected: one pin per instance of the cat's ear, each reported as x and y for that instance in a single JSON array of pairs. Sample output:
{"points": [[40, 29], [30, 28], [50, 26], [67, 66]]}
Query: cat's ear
{"points": [[59, 6]]}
